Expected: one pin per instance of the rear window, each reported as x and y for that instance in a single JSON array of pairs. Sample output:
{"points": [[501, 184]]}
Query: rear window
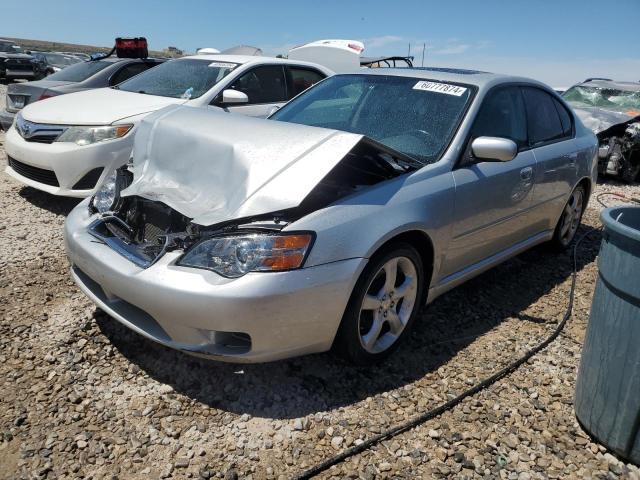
{"points": [[80, 71]]}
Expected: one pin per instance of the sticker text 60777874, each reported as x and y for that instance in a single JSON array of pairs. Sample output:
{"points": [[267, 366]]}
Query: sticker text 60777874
{"points": [[440, 88]]}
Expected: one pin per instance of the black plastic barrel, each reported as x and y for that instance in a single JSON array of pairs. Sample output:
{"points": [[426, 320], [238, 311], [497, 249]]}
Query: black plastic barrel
{"points": [[607, 400]]}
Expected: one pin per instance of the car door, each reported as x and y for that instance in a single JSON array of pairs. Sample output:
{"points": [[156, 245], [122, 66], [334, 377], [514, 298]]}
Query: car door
{"points": [[265, 86], [492, 198], [551, 132]]}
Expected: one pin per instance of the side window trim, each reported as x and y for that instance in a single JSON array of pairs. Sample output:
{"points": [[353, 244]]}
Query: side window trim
{"points": [[557, 104]]}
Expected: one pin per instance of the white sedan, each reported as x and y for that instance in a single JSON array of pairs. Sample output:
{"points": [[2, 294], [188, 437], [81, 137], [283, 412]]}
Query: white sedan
{"points": [[67, 145]]}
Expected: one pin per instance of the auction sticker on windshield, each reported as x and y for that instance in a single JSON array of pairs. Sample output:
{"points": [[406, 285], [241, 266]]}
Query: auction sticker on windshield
{"points": [[222, 65], [440, 88]]}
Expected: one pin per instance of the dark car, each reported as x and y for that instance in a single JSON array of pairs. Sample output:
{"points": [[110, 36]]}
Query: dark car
{"points": [[104, 72], [48, 63], [14, 62]]}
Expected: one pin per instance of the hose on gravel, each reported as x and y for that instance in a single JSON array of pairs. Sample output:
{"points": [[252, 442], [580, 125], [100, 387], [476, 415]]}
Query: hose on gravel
{"points": [[439, 410]]}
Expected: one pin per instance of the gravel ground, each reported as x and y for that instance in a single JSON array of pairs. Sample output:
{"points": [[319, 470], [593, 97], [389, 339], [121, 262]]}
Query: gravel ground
{"points": [[83, 397]]}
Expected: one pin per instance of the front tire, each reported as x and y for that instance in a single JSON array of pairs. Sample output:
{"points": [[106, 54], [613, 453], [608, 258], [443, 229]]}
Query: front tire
{"points": [[569, 221], [383, 305]]}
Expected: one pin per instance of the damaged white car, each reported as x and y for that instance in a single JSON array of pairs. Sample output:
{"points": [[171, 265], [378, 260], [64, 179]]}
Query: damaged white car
{"points": [[612, 110], [330, 224]]}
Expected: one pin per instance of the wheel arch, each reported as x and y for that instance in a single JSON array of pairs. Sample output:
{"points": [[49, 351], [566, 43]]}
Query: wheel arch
{"points": [[422, 242]]}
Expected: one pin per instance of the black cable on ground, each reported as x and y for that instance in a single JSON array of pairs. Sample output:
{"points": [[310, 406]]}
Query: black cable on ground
{"points": [[408, 425]]}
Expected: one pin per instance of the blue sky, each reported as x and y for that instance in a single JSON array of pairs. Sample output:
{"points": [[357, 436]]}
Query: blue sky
{"points": [[559, 42]]}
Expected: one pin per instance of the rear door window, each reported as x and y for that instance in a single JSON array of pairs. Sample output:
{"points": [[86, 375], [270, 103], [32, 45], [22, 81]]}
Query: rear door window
{"points": [[128, 71], [502, 115], [264, 84], [302, 78], [542, 117]]}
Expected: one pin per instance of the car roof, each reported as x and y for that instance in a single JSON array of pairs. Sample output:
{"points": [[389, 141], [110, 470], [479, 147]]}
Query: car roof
{"points": [[245, 59], [626, 86], [478, 78]]}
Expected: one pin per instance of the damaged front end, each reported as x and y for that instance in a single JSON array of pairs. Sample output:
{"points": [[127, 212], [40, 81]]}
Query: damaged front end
{"points": [[619, 151], [221, 214]]}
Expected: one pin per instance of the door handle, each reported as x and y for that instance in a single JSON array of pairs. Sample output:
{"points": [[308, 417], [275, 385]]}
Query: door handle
{"points": [[526, 173]]}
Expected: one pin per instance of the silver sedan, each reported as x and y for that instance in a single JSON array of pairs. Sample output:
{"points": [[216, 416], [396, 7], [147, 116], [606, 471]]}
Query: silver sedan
{"points": [[330, 224]]}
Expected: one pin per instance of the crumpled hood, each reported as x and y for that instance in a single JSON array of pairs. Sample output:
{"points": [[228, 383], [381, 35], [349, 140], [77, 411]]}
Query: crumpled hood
{"points": [[101, 106], [598, 119], [213, 166]]}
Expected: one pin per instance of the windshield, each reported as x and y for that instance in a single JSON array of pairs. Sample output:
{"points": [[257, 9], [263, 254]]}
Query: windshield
{"points": [[9, 48], [607, 98], [60, 60], [188, 78], [80, 71], [411, 115]]}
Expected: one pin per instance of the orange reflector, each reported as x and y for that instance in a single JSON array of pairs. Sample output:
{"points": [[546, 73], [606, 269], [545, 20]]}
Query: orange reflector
{"points": [[633, 112], [292, 241], [122, 131], [283, 262]]}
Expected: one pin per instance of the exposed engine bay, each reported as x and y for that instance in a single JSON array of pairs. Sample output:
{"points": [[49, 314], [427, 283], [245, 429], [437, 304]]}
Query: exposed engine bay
{"points": [[612, 111], [143, 230], [619, 151]]}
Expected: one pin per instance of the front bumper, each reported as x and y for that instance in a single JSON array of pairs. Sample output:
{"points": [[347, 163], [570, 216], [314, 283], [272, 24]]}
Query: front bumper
{"points": [[69, 162], [6, 120], [20, 74], [283, 314]]}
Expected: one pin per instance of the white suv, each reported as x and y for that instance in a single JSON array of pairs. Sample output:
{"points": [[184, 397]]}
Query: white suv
{"points": [[67, 145]]}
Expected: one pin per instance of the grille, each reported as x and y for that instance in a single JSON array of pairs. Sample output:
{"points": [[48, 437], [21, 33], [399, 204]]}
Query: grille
{"points": [[89, 180], [44, 137], [40, 175], [22, 65]]}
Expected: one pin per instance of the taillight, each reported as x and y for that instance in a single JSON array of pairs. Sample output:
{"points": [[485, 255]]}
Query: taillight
{"points": [[44, 96]]}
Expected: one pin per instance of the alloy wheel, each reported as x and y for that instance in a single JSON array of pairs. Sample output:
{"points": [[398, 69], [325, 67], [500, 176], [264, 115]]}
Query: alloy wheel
{"points": [[388, 304], [571, 216]]}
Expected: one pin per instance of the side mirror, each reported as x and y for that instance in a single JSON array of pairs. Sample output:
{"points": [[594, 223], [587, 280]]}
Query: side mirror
{"points": [[494, 149], [231, 96]]}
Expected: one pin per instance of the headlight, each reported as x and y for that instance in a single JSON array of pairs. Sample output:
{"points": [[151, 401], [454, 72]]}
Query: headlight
{"points": [[89, 135], [108, 197], [237, 255]]}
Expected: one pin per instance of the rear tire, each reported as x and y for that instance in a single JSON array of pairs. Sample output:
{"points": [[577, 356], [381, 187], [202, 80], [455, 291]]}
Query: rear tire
{"points": [[569, 221], [383, 305]]}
